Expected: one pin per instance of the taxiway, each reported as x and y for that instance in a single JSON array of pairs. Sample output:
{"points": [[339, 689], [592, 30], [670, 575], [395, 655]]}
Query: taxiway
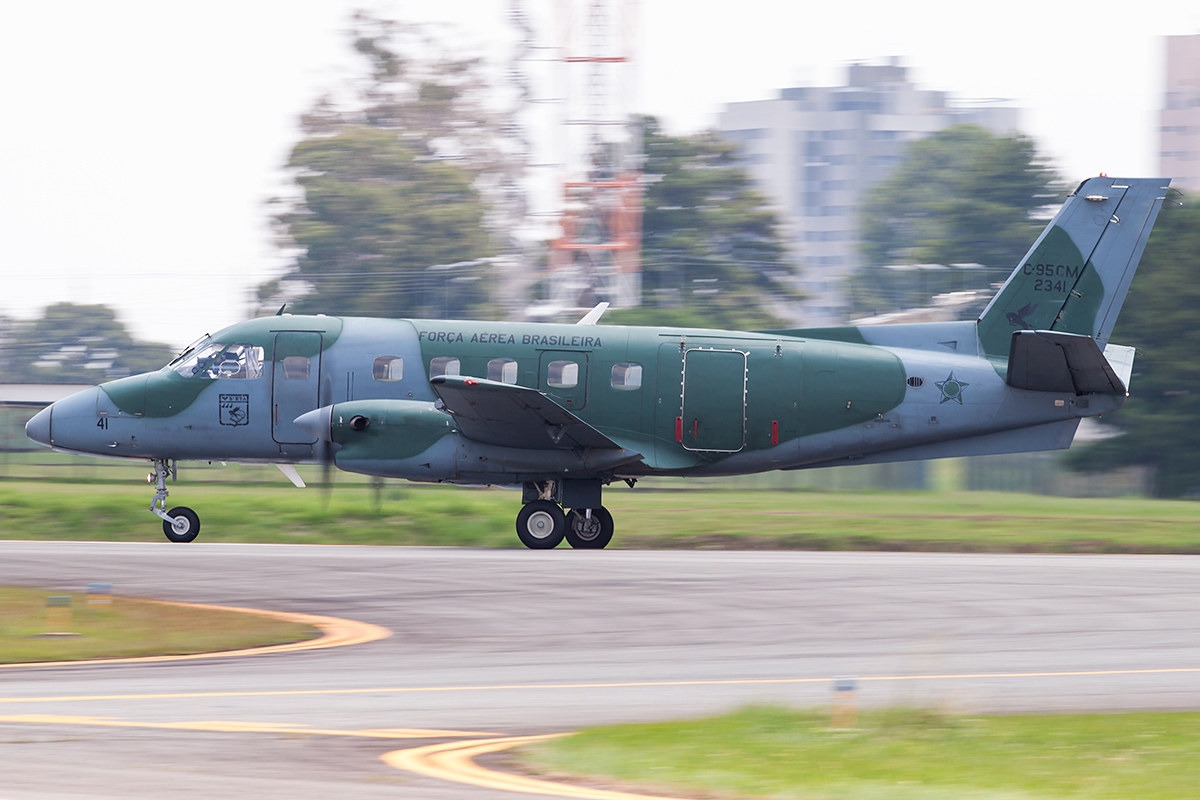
{"points": [[489, 642]]}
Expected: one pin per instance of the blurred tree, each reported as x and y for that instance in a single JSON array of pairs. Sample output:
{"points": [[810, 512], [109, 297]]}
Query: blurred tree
{"points": [[961, 196], [712, 255], [375, 217], [74, 344], [406, 175], [1160, 421]]}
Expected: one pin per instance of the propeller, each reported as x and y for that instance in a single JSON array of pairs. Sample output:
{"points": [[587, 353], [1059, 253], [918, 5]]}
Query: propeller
{"points": [[324, 452], [317, 423]]}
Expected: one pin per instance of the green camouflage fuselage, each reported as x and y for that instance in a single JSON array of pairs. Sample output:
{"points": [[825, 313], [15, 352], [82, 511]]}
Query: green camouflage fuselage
{"points": [[506, 402]]}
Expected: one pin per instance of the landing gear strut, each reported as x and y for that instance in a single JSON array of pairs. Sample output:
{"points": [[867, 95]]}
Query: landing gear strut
{"points": [[180, 524], [542, 523]]}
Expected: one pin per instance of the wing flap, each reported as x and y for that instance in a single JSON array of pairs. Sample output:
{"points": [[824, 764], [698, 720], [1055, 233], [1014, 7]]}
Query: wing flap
{"points": [[507, 415]]}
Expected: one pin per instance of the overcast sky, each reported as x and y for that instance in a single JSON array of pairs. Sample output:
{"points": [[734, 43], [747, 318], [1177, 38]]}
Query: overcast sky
{"points": [[141, 140]]}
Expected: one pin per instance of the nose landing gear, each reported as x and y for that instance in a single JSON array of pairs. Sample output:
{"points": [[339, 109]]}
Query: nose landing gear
{"points": [[180, 524]]}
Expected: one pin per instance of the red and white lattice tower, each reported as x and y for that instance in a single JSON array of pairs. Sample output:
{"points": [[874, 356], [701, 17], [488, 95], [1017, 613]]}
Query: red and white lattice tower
{"points": [[598, 255]]}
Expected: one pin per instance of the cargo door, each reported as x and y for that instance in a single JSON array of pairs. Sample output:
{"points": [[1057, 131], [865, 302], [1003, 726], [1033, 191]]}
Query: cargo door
{"points": [[296, 384], [714, 400]]}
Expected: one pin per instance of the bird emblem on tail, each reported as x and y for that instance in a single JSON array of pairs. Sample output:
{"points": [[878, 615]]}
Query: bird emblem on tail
{"points": [[1017, 318]]}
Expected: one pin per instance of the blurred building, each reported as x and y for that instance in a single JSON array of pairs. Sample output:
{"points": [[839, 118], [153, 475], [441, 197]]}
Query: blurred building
{"points": [[1179, 121], [816, 149]]}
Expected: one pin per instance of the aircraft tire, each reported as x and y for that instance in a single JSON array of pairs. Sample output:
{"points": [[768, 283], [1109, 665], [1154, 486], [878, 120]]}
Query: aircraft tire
{"points": [[589, 534], [186, 527], [541, 525]]}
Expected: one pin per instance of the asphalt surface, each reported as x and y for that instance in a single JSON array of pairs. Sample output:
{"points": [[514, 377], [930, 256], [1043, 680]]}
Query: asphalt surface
{"points": [[522, 642]]}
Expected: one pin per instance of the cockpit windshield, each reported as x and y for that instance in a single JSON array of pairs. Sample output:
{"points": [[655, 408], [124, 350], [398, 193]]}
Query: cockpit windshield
{"points": [[187, 351], [223, 361]]}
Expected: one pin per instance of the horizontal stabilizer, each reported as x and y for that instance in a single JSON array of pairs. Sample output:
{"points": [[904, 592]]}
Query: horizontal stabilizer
{"points": [[1121, 358], [507, 415], [1051, 361]]}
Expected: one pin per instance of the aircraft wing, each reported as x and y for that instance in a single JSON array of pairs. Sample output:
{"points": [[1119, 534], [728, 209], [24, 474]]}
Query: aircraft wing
{"points": [[514, 416]]}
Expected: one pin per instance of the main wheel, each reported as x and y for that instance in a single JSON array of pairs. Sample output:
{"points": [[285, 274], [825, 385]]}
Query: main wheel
{"points": [[592, 533], [541, 525], [186, 527]]}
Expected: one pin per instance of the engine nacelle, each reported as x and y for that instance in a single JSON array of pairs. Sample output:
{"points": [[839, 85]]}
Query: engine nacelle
{"points": [[378, 430]]}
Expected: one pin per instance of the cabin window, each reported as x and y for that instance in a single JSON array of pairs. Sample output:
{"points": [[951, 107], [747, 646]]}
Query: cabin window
{"points": [[444, 365], [562, 374], [296, 368], [388, 369], [503, 370], [226, 362], [626, 377]]}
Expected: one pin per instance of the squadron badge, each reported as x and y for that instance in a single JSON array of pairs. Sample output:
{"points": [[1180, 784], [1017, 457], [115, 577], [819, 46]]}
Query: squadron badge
{"points": [[235, 409]]}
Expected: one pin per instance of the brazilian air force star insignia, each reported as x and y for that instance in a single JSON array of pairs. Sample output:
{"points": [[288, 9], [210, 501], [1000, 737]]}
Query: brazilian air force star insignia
{"points": [[951, 389]]}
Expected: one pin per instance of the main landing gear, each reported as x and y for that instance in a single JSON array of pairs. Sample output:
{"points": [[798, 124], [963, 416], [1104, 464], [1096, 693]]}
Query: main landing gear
{"points": [[542, 523], [180, 524]]}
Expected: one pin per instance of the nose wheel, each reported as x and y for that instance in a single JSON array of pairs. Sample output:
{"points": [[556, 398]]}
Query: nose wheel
{"points": [[184, 525], [180, 524]]}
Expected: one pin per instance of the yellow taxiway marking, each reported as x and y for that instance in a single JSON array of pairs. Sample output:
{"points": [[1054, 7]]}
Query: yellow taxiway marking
{"points": [[238, 726], [448, 761], [335, 632], [505, 687], [455, 762]]}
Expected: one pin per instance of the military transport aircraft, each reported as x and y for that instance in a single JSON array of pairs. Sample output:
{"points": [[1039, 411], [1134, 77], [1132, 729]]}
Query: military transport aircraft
{"points": [[565, 410]]}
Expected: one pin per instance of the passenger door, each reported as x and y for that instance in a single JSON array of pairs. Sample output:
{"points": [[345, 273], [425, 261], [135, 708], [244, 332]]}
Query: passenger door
{"points": [[295, 385]]}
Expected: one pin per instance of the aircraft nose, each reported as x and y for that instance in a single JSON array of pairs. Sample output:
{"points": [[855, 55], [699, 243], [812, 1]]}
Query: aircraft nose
{"points": [[68, 424], [38, 428]]}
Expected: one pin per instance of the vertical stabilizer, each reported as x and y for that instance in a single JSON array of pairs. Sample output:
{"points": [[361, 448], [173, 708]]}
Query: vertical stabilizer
{"points": [[1075, 277]]}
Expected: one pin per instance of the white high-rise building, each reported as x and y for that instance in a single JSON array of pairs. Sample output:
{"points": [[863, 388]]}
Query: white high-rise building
{"points": [[816, 149], [1179, 121]]}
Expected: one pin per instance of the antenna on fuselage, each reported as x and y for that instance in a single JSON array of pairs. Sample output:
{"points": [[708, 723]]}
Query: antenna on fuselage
{"points": [[593, 316], [279, 313]]}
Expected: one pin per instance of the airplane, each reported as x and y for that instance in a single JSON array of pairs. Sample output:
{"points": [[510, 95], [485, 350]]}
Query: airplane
{"points": [[566, 410]]}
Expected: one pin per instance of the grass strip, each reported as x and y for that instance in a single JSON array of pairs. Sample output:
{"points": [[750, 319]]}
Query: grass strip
{"points": [[415, 514], [127, 628], [899, 754]]}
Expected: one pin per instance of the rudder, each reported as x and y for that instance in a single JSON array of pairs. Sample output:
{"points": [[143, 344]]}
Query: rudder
{"points": [[1075, 277]]}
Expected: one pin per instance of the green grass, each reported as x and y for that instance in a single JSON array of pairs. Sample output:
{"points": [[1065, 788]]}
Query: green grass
{"points": [[896, 754], [355, 512], [129, 627]]}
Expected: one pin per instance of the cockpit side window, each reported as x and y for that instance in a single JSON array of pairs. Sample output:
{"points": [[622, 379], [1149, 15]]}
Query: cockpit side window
{"points": [[223, 361]]}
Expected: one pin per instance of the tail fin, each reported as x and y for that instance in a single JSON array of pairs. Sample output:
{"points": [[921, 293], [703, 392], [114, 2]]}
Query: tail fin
{"points": [[1075, 277]]}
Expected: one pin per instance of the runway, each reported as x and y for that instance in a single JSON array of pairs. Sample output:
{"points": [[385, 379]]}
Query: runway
{"points": [[513, 643]]}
